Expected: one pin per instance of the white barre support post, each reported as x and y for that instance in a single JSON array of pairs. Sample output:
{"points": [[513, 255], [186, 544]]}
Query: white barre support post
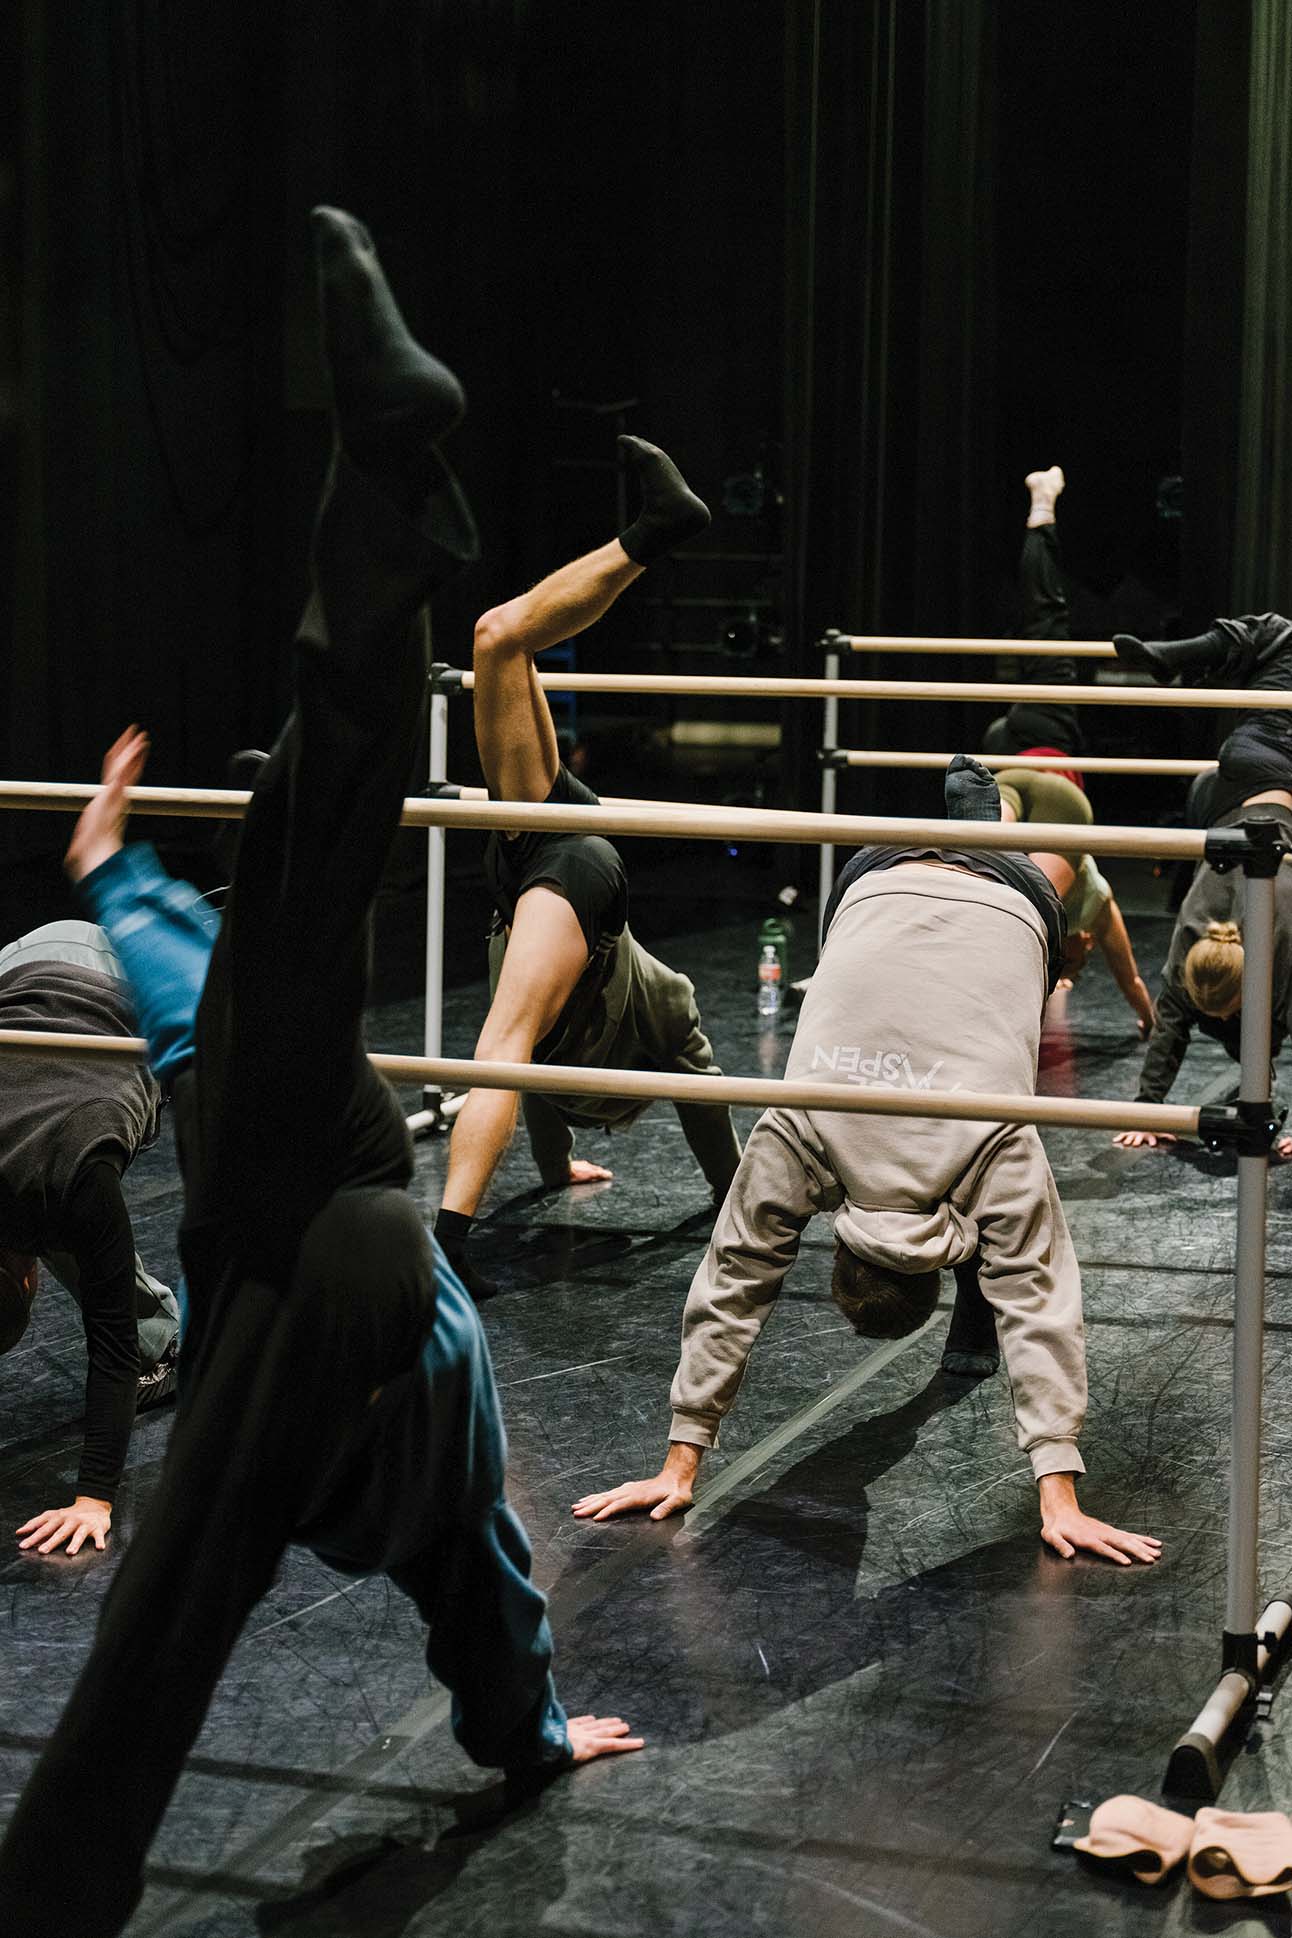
{"points": [[829, 794], [1248, 1646], [431, 1115], [1249, 1271]]}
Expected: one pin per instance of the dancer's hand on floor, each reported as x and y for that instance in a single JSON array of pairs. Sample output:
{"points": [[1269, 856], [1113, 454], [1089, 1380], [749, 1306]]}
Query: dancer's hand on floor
{"points": [[593, 1736], [582, 1172], [1066, 1528], [85, 1520], [667, 1492], [1131, 1140], [1283, 1150]]}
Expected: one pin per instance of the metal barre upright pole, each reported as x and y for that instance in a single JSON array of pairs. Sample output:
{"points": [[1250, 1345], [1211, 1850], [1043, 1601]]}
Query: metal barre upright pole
{"points": [[1249, 1645], [1249, 1280], [430, 1116], [829, 792]]}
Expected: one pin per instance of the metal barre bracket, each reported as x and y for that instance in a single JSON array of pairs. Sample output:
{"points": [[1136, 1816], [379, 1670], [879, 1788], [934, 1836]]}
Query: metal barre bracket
{"points": [[832, 756], [829, 640], [1239, 1654], [446, 679], [1248, 1129], [1257, 847], [440, 791]]}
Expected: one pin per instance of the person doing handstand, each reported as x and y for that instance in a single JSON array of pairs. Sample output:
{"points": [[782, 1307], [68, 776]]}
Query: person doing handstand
{"points": [[1202, 982]]}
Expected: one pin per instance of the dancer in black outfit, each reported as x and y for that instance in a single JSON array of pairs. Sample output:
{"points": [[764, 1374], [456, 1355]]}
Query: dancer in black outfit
{"points": [[1033, 726], [336, 1387]]}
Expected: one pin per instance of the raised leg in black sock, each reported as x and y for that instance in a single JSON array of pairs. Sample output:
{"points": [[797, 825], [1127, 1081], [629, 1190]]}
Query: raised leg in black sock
{"points": [[670, 511]]}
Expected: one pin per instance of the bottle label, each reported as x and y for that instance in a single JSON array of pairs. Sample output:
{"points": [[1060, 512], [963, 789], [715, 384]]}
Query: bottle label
{"points": [[769, 971]]}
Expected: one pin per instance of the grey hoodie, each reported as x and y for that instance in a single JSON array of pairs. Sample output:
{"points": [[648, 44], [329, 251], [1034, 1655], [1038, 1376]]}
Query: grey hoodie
{"points": [[930, 979]]}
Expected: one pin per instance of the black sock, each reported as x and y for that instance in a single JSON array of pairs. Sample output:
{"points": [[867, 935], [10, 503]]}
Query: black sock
{"points": [[451, 1230], [393, 400], [971, 793], [670, 510]]}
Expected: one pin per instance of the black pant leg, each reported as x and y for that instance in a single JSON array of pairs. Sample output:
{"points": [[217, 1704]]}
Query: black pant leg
{"points": [[1045, 617], [973, 1322], [1046, 613], [204, 1555], [281, 1080]]}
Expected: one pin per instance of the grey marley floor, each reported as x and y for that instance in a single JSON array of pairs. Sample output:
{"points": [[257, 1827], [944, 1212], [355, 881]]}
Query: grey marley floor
{"points": [[865, 1684]]}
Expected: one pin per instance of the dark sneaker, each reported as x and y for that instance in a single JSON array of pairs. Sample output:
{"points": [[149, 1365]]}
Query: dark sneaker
{"points": [[158, 1385], [969, 1365]]}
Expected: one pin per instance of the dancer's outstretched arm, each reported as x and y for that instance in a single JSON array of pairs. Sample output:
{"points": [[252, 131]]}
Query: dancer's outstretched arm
{"points": [[1110, 933], [755, 1242]]}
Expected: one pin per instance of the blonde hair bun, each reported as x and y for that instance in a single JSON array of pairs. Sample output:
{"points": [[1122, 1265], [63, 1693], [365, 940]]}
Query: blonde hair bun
{"points": [[1213, 969]]}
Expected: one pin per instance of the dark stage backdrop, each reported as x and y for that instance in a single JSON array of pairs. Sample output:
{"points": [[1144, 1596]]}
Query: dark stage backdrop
{"points": [[573, 200], [892, 253]]}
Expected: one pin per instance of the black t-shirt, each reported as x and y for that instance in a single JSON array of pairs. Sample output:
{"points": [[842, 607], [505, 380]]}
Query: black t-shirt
{"points": [[1014, 870], [68, 1129], [584, 868]]}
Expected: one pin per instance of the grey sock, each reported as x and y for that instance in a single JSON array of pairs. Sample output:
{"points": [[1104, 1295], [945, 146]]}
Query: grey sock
{"points": [[971, 793]]}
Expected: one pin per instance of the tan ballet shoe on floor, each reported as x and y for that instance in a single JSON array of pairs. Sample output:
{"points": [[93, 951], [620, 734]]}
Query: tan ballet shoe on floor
{"points": [[1129, 1835], [1241, 1854]]}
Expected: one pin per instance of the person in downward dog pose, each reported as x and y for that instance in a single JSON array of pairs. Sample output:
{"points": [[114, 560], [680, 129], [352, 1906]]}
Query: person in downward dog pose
{"points": [[1202, 982], [1093, 916], [68, 1132], [336, 1388], [570, 983], [910, 1196]]}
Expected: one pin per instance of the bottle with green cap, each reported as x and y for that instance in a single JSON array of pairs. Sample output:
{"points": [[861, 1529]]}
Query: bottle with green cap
{"points": [[776, 934]]}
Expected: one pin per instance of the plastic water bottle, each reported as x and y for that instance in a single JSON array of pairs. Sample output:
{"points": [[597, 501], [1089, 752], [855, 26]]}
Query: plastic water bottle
{"points": [[769, 980], [778, 931]]}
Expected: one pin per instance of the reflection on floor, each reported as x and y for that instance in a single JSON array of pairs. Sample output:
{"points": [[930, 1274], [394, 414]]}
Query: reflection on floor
{"points": [[866, 1686]]}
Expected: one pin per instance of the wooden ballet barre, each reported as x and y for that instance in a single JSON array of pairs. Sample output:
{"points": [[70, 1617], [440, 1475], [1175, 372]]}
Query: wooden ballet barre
{"points": [[748, 686], [230, 803], [1042, 763], [679, 819], [755, 1093], [1019, 648]]}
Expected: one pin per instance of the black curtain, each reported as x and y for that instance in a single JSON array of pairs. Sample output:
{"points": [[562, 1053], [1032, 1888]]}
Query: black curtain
{"points": [[149, 373], [1262, 577], [1213, 346], [890, 296]]}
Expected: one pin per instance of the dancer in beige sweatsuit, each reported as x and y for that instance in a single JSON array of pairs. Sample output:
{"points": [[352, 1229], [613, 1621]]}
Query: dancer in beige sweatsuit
{"points": [[933, 976]]}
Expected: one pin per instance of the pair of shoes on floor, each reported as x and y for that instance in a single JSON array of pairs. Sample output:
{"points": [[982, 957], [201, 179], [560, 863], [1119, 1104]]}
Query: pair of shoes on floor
{"points": [[1230, 1853], [159, 1384]]}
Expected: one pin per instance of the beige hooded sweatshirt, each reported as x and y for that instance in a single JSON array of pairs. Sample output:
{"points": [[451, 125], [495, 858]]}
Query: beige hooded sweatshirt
{"points": [[930, 979]]}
